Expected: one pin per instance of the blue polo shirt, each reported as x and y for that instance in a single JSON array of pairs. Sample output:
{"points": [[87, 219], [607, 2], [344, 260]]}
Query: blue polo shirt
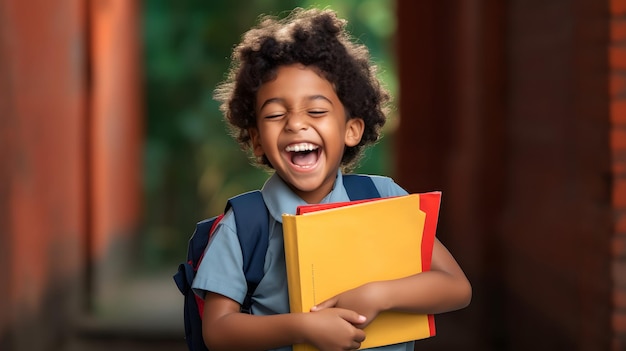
{"points": [[221, 268]]}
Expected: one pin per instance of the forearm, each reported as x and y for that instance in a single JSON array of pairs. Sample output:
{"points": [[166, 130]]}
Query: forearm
{"points": [[428, 292], [225, 328], [240, 331], [441, 289]]}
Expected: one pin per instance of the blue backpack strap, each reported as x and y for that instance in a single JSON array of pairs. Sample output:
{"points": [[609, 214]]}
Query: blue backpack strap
{"points": [[360, 187], [195, 249], [184, 278], [253, 233]]}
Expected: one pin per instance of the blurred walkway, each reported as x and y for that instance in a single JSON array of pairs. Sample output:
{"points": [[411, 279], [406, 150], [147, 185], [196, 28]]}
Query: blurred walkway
{"points": [[143, 313]]}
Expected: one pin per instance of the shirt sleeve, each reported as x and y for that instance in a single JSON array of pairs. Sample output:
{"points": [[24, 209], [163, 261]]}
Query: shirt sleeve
{"points": [[221, 269]]}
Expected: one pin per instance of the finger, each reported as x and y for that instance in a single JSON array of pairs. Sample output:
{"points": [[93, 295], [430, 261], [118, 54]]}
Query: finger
{"points": [[352, 317], [325, 304], [359, 337], [355, 346]]}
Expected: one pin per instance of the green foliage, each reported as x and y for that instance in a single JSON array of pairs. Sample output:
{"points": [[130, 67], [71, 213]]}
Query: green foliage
{"points": [[192, 165]]}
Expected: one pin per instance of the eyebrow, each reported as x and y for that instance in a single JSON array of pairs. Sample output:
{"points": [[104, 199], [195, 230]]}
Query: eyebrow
{"points": [[282, 101]]}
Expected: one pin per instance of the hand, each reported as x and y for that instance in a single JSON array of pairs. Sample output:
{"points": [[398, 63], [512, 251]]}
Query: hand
{"points": [[367, 300], [333, 329]]}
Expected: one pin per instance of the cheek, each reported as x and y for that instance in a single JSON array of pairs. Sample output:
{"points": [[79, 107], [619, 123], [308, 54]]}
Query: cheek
{"points": [[268, 137], [268, 133]]}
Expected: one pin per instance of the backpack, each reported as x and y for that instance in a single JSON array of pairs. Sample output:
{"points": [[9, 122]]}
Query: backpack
{"points": [[253, 235]]}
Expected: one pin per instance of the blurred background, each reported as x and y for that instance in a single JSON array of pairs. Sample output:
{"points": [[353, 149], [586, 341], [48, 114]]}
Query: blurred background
{"points": [[112, 148]]}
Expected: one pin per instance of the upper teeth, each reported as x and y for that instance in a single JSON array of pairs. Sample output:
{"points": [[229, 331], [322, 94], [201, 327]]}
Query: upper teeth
{"points": [[300, 147]]}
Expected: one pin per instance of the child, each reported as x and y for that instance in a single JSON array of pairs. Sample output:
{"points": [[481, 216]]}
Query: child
{"points": [[305, 100]]}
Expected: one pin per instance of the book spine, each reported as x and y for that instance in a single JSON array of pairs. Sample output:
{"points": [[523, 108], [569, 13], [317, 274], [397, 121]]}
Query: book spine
{"points": [[292, 263]]}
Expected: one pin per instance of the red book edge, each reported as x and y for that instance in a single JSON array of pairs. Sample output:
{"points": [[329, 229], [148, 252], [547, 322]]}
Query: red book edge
{"points": [[319, 207], [429, 203]]}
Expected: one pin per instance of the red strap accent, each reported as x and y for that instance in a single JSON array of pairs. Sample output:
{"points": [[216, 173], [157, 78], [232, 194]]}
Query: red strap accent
{"points": [[217, 220], [200, 303]]}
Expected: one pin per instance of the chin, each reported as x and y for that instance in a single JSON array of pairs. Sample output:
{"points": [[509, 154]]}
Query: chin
{"points": [[305, 186]]}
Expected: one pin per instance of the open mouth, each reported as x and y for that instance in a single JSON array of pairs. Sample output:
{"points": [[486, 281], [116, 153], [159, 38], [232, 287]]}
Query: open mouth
{"points": [[304, 155]]}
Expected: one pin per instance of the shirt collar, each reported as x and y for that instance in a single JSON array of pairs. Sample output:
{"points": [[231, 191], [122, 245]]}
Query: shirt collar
{"points": [[280, 199]]}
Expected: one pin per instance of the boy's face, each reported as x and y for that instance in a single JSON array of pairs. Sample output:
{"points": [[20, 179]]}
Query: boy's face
{"points": [[302, 129]]}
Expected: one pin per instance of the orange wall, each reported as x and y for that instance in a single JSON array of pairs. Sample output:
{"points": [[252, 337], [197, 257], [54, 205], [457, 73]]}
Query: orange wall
{"points": [[42, 159], [70, 135], [115, 132], [115, 127]]}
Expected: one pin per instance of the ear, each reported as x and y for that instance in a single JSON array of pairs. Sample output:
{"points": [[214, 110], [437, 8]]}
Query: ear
{"points": [[255, 141], [354, 131]]}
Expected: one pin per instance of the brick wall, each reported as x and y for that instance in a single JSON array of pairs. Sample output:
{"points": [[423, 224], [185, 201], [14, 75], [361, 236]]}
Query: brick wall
{"points": [[617, 61]]}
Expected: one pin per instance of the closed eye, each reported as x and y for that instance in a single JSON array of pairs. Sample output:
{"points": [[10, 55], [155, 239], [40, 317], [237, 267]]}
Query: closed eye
{"points": [[274, 115], [317, 113]]}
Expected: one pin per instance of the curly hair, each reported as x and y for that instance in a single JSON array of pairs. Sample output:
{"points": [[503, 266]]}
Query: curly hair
{"points": [[314, 38]]}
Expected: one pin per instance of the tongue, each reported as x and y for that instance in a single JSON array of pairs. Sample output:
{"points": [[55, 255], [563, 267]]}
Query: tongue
{"points": [[304, 158]]}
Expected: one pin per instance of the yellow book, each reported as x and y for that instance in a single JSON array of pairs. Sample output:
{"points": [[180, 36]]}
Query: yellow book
{"points": [[332, 250]]}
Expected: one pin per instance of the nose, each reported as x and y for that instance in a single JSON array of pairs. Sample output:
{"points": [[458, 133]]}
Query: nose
{"points": [[296, 121]]}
